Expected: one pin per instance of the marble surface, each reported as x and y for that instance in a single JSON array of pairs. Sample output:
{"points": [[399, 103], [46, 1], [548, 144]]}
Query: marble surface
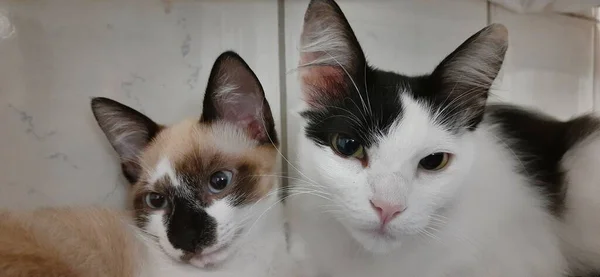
{"points": [[549, 63], [155, 55]]}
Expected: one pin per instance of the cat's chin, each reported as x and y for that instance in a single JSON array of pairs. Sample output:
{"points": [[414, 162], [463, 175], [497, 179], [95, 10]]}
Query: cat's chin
{"points": [[214, 257], [375, 241]]}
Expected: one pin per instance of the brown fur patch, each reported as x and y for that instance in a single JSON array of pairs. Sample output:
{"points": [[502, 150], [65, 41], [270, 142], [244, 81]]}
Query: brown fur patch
{"points": [[196, 151], [67, 242]]}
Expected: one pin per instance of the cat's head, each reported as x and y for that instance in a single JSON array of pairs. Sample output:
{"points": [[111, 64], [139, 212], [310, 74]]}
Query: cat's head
{"points": [[389, 150], [199, 184]]}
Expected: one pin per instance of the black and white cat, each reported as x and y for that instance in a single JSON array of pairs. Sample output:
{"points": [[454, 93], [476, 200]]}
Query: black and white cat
{"points": [[419, 177]]}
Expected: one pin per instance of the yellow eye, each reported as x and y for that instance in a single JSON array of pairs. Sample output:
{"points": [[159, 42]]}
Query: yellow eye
{"points": [[435, 161], [347, 146]]}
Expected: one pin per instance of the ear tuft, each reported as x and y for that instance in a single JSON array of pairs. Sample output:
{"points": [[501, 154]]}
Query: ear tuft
{"points": [[327, 38], [127, 130], [465, 77], [329, 53], [234, 94]]}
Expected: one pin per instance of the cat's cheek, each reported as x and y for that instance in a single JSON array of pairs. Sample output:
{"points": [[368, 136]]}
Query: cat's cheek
{"points": [[224, 214], [156, 227]]}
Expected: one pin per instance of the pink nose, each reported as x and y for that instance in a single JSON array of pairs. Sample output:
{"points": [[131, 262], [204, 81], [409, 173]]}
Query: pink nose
{"points": [[386, 211]]}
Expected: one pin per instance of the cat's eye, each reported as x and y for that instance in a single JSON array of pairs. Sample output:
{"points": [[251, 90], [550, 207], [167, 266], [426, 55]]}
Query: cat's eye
{"points": [[347, 146], [219, 181], [155, 200], [436, 161]]}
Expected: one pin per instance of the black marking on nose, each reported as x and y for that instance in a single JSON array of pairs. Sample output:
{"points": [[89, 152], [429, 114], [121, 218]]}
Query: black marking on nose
{"points": [[189, 227]]}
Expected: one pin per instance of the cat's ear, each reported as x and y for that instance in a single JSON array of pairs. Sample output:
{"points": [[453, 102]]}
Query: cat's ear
{"points": [[330, 56], [464, 78], [234, 94], [127, 130]]}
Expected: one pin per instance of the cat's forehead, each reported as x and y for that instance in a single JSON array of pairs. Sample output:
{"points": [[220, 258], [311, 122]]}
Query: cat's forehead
{"points": [[191, 148], [189, 136], [416, 130]]}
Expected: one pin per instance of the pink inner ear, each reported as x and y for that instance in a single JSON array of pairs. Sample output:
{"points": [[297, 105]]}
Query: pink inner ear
{"points": [[244, 115], [321, 83], [253, 126], [256, 130]]}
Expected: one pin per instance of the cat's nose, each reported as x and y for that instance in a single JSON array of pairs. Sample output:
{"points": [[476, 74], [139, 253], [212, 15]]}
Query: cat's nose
{"points": [[190, 228], [386, 211]]}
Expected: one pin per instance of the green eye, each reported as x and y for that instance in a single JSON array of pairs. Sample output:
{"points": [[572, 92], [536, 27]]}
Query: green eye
{"points": [[347, 146]]}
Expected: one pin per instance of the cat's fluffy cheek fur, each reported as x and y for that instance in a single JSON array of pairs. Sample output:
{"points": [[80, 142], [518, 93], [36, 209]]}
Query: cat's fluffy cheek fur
{"points": [[224, 214]]}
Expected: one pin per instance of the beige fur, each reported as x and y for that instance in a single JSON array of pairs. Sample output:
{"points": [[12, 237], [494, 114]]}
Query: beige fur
{"points": [[185, 142], [68, 242]]}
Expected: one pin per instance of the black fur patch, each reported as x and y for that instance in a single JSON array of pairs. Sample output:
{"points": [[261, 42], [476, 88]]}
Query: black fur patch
{"points": [[540, 142], [361, 115], [189, 227], [348, 116], [363, 102]]}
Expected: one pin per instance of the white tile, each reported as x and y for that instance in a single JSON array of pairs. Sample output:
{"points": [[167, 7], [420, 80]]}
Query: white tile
{"points": [[549, 63], [152, 56], [404, 36]]}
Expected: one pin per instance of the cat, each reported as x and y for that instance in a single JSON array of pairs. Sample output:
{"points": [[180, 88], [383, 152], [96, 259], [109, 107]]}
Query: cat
{"points": [[421, 177], [206, 189], [203, 191]]}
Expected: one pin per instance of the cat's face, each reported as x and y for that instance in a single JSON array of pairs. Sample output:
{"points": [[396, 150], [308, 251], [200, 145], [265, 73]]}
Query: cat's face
{"points": [[389, 151], [199, 185]]}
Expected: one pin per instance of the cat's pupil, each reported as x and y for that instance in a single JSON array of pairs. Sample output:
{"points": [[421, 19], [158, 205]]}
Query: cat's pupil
{"points": [[219, 180], [433, 161], [346, 145], [155, 200]]}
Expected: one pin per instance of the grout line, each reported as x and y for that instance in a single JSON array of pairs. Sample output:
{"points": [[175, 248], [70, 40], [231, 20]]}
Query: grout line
{"points": [[283, 148], [282, 90], [579, 16], [595, 75], [488, 17]]}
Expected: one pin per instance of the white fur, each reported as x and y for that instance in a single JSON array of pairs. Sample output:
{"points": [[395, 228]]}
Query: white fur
{"points": [[581, 227], [230, 139], [156, 227], [326, 39], [164, 168], [330, 42], [260, 251], [260, 254], [253, 234], [154, 262], [475, 218]]}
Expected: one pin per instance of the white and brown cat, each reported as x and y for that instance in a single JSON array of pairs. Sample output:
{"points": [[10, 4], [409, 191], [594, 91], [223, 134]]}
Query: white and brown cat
{"points": [[204, 196]]}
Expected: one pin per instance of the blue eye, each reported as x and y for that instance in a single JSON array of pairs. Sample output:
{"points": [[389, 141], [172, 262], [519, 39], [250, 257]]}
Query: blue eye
{"points": [[219, 181], [155, 201]]}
